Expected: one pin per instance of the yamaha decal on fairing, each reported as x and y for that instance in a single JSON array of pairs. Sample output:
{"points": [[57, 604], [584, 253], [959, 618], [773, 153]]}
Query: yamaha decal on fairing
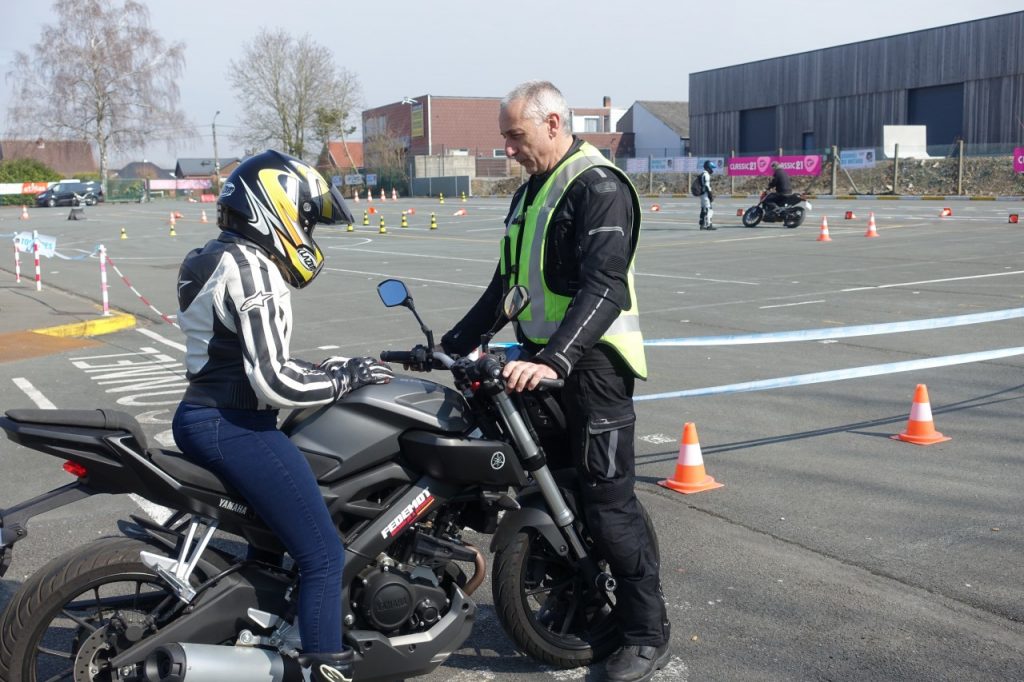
{"points": [[236, 507], [498, 460], [410, 513]]}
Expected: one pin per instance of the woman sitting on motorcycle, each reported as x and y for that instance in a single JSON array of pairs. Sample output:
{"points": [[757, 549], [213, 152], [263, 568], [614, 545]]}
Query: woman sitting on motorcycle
{"points": [[235, 310]]}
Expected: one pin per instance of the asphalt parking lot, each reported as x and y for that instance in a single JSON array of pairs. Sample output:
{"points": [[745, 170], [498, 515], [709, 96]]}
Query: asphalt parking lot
{"points": [[833, 552]]}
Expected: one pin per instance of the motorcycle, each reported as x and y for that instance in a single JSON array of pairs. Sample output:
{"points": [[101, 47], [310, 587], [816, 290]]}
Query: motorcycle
{"points": [[791, 213], [407, 469]]}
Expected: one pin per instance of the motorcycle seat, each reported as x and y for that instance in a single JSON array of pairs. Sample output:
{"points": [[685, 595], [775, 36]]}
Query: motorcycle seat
{"points": [[189, 473], [92, 419]]}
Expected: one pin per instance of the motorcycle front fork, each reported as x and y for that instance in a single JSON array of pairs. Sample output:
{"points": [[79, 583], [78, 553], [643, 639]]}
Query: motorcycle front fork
{"points": [[560, 511]]}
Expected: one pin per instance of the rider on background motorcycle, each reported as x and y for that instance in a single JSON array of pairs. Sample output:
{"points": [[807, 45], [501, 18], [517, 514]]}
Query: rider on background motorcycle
{"points": [[782, 186], [235, 311]]}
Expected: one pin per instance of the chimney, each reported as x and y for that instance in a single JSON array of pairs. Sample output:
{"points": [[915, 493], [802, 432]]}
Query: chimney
{"points": [[607, 104]]}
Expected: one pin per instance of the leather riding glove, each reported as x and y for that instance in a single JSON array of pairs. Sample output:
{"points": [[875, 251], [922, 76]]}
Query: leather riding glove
{"points": [[349, 374]]}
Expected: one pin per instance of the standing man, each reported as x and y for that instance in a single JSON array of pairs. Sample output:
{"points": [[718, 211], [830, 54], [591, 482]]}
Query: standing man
{"points": [[571, 237], [707, 197]]}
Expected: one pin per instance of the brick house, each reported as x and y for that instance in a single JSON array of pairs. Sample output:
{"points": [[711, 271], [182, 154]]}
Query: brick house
{"points": [[70, 158]]}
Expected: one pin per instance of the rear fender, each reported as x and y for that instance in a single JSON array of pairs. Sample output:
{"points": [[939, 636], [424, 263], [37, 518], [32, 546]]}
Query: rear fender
{"points": [[14, 520]]}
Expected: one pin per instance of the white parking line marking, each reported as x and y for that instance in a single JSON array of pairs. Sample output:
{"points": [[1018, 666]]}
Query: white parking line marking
{"points": [[934, 281], [34, 394], [157, 337], [787, 305]]}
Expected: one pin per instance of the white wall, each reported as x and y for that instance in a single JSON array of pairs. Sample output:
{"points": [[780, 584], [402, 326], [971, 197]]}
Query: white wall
{"points": [[652, 137]]}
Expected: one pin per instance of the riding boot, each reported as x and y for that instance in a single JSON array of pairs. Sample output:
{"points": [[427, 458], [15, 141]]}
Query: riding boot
{"points": [[327, 667]]}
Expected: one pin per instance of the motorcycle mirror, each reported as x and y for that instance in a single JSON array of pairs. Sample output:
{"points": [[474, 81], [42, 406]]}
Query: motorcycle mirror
{"points": [[515, 301], [393, 293], [512, 305]]}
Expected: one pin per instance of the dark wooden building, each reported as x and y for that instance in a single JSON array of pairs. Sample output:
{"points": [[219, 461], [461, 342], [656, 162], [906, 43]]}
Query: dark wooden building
{"points": [[963, 81]]}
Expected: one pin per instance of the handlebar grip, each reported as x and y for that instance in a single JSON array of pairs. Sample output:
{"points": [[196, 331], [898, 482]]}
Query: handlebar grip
{"points": [[402, 357], [551, 384]]}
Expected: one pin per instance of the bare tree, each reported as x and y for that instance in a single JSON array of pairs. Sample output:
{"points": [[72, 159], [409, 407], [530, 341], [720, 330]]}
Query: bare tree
{"points": [[100, 74], [283, 82]]}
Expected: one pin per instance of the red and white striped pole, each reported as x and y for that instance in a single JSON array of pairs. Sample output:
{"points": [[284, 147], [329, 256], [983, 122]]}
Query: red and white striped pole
{"points": [[17, 264], [35, 252], [103, 279]]}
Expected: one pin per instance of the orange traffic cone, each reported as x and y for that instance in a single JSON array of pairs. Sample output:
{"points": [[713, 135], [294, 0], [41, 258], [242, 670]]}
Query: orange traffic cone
{"points": [[656, 208], [920, 427], [202, 216], [872, 229], [382, 197], [24, 212], [461, 211], [1014, 218], [739, 211], [173, 219], [850, 215], [369, 195], [394, 194], [823, 235], [946, 213], [356, 197], [690, 476]]}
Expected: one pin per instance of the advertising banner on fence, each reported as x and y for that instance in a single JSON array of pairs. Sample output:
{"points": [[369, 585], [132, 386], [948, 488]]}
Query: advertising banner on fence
{"points": [[23, 187], [1018, 160], [762, 165], [857, 158], [636, 165]]}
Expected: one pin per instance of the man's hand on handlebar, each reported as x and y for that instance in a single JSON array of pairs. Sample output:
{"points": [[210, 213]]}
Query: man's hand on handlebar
{"points": [[526, 376]]}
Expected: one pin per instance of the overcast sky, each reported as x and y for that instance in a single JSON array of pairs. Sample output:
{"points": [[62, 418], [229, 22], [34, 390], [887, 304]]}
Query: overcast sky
{"points": [[482, 49]]}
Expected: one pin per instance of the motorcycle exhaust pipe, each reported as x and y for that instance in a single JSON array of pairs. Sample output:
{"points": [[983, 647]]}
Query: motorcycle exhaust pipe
{"points": [[184, 662]]}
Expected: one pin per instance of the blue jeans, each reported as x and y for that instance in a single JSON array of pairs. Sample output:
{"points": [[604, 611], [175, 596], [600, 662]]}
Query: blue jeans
{"points": [[247, 451]]}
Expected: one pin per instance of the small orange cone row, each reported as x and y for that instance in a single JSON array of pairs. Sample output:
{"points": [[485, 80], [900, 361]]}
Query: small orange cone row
{"points": [[872, 228], [920, 427], [690, 476], [823, 234]]}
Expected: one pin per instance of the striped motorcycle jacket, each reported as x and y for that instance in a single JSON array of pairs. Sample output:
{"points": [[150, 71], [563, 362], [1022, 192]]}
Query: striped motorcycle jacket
{"points": [[235, 310]]}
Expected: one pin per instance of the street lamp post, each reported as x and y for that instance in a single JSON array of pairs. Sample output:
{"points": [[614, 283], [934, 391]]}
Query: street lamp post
{"points": [[216, 159]]}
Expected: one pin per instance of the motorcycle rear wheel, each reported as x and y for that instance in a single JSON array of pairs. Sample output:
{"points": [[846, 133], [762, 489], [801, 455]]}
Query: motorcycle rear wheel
{"points": [[753, 216], [545, 607], [794, 218], [74, 614]]}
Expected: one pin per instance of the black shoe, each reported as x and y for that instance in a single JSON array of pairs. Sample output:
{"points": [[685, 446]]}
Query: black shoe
{"points": [[327, 667], [710, 227], [636, 663]]}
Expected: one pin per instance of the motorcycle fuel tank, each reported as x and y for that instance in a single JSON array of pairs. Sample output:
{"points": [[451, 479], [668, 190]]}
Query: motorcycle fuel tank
{"points": [[362, 428]]}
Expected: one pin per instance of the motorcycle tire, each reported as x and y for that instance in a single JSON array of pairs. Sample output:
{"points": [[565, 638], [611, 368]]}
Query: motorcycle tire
{"points": [[794, 218], [56, 624], [528, 567], [753, 216]]}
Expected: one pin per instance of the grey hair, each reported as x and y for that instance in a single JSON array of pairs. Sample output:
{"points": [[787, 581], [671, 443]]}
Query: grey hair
{"points": [[541, 98]]}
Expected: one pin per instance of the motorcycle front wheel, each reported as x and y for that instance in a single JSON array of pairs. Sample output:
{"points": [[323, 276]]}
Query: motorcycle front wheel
{"points": [[794, 218], [79, 611], [753, 216], [546, 607]]}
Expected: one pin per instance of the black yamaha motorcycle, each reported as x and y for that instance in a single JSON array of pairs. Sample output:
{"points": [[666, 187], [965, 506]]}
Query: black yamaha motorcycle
{"points": [[791, 213], [405, 469]]}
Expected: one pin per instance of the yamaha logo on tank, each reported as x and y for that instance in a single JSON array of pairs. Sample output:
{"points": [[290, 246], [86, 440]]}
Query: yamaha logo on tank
{"points": [[305, 255], [498, 460]]}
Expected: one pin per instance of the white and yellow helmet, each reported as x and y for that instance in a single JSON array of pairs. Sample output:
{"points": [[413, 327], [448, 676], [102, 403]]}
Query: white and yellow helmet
{"points": [[275, 201]]}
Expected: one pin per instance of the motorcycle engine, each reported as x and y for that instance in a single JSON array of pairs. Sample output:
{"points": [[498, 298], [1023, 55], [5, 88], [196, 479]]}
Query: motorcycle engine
{"points": [[394, 600]]}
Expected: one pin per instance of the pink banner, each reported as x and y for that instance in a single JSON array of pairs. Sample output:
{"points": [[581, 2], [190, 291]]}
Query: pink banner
{"points": [[762, 165], [1018, 160]]}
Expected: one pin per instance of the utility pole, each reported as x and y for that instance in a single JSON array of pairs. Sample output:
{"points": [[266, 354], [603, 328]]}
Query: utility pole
{"points": [[216, 159]]}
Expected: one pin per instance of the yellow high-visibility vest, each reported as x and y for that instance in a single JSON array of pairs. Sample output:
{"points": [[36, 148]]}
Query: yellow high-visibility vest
{"points": [[528, 230]]}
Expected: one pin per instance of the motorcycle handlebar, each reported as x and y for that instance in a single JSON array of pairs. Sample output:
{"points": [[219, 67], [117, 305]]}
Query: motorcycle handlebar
{"points": [[488, 364]]}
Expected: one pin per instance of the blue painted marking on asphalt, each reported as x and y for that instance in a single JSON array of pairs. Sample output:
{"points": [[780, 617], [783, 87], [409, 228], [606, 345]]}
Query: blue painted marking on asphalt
{"points": [[840, 332], [839, 374]]}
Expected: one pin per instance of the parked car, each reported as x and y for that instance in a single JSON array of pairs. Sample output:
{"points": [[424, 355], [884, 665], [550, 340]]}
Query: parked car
{"points": [[71, 193]]}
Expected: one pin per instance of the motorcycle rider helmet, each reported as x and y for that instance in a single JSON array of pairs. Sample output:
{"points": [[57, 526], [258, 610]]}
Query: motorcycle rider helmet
{"points": [[710, 166], [274, 201]]}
